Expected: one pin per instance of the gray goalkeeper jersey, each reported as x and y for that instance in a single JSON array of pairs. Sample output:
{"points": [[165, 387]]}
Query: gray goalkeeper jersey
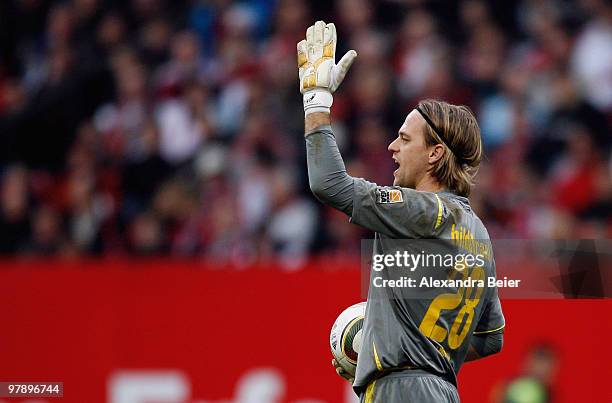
{"points": [[426, 327]]}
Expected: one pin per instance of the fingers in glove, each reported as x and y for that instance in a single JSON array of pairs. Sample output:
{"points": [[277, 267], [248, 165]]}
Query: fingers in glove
{"points": [[302, 53], [319, 33], [310, 34], [346, 62], [330, 41], [310, 45], [341, 372], [342, 68]]}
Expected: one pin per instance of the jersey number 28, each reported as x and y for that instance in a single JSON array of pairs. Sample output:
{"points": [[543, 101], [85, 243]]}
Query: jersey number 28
{"points": [[469, 296]]}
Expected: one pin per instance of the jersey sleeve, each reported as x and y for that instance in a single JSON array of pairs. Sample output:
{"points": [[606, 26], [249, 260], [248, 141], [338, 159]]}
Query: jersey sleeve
{"points": [[492, 318], [395, 211]]}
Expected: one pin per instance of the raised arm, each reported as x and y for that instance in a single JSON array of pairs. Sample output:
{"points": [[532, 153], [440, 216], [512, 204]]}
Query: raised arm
{"points": [[315, 120], [393, 211], [327, 175], [320, 76]]}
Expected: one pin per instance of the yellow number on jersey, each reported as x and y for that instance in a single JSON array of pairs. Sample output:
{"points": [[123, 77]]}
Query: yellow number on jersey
{"points": [[448, 302]]}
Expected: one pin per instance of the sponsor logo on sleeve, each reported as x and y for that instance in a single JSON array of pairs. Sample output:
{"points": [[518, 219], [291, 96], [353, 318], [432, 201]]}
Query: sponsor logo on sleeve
{"points": [[388, 196]]}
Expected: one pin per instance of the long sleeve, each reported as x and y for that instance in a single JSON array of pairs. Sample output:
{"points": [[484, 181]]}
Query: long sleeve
{"points": [[326, 171], [391, 210], [487, 344]]}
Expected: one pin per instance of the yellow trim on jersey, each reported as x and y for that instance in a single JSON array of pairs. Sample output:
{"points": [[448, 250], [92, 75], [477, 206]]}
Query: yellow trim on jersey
{"points": [[378, 364], [443, 353], [491, 331], [369, 394], [439, 219]]}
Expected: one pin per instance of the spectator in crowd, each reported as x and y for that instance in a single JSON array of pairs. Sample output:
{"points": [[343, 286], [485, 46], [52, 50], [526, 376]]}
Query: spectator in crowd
{"points": [[535, 383]]}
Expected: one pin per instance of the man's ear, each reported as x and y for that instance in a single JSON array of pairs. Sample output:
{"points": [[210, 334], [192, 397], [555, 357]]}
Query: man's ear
{"points": [[435, 153]]}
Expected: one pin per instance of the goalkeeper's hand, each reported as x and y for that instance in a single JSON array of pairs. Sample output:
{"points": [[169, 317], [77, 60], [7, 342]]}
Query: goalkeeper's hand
{"points": [[342, 372], [320, 76]]}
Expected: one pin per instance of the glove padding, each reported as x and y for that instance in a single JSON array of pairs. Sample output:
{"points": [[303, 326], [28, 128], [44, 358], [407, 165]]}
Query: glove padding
{"points": [[320, 76]]}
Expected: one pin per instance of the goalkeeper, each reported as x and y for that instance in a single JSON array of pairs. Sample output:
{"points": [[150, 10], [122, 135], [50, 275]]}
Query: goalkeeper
{"points": [[411, 348]]}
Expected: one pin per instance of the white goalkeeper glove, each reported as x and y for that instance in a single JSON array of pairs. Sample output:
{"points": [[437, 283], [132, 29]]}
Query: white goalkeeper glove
{"points": [[320, 76]]}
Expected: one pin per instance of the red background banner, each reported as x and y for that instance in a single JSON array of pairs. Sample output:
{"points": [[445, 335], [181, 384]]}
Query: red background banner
{"points": [[85, 323]]}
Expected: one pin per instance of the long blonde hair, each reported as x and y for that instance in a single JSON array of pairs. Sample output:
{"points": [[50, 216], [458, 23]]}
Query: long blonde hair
{"points": [[456, 128]]}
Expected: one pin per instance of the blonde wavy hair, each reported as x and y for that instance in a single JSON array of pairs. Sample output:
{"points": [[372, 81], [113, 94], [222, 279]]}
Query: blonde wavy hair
{"points": [[456, 128]]}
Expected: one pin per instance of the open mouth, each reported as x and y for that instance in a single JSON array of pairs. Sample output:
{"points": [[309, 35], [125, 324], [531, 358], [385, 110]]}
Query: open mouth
{"points": [[398, 164]]}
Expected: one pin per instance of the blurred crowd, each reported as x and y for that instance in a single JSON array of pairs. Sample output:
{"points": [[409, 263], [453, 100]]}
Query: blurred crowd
{"points": [[159, 127]]}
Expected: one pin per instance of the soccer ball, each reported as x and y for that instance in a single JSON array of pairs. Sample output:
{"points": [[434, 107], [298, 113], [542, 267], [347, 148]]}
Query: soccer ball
{"points": [[345, 337]]}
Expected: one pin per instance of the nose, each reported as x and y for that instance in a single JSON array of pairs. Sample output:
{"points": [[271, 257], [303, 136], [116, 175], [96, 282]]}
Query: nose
{"points": [[393, 146]]}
